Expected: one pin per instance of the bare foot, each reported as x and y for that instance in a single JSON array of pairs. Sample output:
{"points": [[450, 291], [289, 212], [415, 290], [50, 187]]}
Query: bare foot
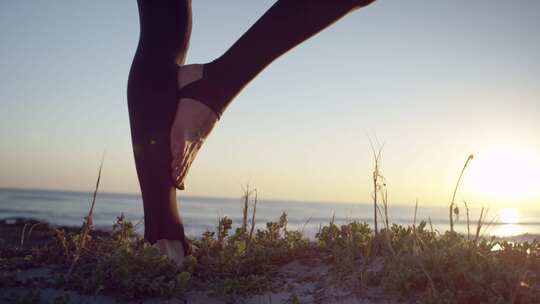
{"points": [[173, 249], [193, 123]]}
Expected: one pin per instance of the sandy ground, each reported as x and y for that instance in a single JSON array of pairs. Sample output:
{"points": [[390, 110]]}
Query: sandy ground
{"points": [[308, 280]]}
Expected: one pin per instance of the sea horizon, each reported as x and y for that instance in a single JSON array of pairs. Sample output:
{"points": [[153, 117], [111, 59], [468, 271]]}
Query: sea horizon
{"points": [[68, 208]]}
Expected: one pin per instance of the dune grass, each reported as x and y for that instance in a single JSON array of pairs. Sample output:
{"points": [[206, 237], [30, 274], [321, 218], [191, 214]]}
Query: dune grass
{"points": [[412, 263]]}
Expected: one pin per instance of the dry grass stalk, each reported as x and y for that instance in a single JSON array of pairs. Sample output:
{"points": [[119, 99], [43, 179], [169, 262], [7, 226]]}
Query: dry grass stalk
{"points": [[384, 214], [380, 193], [376, 182], [384, 197], [246, 196], [283, 220], [468, 221], [479, 225], [415, 244], [253, 215], [415, 214], [87, 225], [27, 236], [22, 234], [453, 207], [304, 226], [483, 224]]}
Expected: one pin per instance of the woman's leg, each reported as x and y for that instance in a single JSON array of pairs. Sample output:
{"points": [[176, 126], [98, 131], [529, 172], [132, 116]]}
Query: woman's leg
{"points": [[285, 25], [152, 102]]}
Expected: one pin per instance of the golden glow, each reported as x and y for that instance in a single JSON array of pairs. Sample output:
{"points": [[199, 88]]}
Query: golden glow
{"points": [[504, 175], [509, 216], [509, 220], [507, 230]]}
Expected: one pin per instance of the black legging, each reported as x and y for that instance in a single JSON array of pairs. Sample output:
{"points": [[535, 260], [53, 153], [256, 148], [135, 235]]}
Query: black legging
{"points": [[152, 100], [152, 85]]}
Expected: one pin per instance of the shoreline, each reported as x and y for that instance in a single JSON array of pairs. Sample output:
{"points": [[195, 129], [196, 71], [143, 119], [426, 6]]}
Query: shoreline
{"points": [[21, 221]]}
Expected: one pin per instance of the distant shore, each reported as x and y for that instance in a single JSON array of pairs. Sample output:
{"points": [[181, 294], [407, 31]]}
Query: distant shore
{"points": [[10, 229]]}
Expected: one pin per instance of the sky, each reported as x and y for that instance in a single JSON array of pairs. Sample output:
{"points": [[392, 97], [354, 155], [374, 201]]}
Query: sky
{"points": [[433, 80]]}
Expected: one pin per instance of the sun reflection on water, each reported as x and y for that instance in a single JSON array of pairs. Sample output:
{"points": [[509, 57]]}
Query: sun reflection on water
{"points": [[508, 224], [507, 230]]}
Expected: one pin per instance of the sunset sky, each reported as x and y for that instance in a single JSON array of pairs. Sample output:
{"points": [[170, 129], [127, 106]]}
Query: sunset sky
{"points": [[434, 80]]}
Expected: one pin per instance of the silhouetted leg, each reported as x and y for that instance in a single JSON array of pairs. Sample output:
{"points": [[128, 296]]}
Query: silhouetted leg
{"points": [[152, 101], [285, 25], [214, 85]]}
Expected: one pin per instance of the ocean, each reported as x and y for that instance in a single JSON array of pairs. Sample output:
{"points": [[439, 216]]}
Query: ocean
{"points": [[200, 214]]}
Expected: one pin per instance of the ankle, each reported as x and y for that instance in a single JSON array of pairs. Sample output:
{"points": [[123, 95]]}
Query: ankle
{"points": [[211, 84], [189, 73]]}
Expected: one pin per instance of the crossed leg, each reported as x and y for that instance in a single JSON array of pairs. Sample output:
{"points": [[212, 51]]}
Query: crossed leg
{"points": [[207, 89]]}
